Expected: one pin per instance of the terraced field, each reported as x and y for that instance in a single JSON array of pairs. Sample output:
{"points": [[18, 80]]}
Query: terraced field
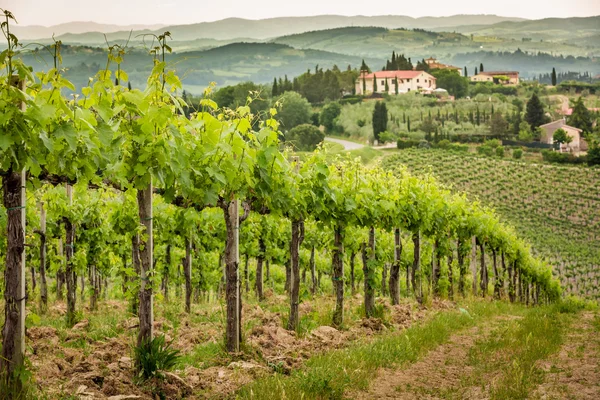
{"points": [[557, 208]]}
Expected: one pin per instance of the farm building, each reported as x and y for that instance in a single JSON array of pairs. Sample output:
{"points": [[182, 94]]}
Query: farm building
{"points": [[408, 81], [435, 64], [577, 144], [502, 77]]}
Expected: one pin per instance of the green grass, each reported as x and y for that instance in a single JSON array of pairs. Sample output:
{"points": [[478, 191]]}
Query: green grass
{"points": [[332, 374]]}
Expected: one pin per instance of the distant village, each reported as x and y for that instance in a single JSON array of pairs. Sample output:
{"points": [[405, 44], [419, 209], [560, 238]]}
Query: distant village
{"points": [[404, 81]]}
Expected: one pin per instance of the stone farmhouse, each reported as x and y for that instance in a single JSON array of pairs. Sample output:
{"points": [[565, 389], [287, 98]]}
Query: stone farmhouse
{"points": [[408, 81], [577, 144], [435, 64], [492, 76]]}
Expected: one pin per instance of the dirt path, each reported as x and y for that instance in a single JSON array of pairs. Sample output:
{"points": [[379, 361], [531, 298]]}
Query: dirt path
{"points": [[348, 145], [574, 372], [437, 375]]}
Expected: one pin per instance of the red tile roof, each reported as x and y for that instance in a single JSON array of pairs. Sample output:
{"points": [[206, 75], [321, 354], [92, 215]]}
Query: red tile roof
{"points": [[494, 73], [395, 74]]}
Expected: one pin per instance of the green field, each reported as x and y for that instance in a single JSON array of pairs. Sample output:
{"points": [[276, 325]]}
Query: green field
{"points": [[557, 208]]}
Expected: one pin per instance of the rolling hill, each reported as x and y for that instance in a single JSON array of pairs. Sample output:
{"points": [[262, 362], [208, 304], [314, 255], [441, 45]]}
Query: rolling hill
{"points": [[550, 29], [78, 27], [225, 65], [233, 28], [418, 43]]}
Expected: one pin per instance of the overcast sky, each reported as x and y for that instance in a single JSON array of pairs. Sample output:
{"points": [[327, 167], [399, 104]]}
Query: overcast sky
{"points": [[125, 12]]}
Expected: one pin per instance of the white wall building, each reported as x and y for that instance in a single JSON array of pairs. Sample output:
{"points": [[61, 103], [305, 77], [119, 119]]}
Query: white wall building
{"points": [[408, 81]]}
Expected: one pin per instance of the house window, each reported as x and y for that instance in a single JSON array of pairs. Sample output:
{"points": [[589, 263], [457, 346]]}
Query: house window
{"points": [[417, 81], [383, 82]]}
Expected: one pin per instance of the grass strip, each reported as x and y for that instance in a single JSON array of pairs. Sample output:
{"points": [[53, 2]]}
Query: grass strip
{"points": [[334, 373]]}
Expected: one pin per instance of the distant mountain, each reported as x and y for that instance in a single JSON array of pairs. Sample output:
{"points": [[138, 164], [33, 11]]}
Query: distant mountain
{"points": [[233, 28], [419, 43], [44, 32], [552, 29]]}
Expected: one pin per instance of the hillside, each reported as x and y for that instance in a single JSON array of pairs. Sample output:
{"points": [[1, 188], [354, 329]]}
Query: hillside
{"points": [[232, 28], [558, 215], [380, 42], [550, 29], [229, 64]]}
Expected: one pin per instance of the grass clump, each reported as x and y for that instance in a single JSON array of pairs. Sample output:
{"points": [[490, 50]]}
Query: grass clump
{"points": [[154, 356]]}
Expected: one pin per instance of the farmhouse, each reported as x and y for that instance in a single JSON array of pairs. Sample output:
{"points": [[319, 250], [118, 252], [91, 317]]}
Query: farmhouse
{"points": [[408, 81], [435, 64], [577, 144], [502, 77]]}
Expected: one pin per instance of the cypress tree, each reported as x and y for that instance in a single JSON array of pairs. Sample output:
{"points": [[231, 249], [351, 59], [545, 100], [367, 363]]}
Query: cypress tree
{"points": [[481, 67], [478, 117], [408, 123], [387, 87], [476, 73], [380, 119], [404, 118], [396, 84], [364, 91], [466, 73], [553, 77], [129, 85], [374, 83], [275, 89], [534, 114]]}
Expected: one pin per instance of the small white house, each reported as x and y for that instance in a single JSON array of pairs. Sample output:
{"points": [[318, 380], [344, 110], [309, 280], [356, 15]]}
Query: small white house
{"points": [[408, 81], [577, 144]]}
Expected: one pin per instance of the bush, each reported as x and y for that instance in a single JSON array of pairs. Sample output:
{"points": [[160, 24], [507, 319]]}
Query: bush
{"points": [[485, 150], [154, 356], [424, 144], [493, 143], [562, 158], [328, 116], [314, 119], [407, 144], [387, 137], [500, 151], [443, 144], [517, 154], [305, 137]]}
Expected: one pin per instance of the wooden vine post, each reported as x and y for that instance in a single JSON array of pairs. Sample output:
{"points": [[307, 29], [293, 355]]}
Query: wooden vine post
{"points": [[395, 269], [146, 245], [297, 239], [69, 273], [232, 282], [13, 332], [187, 272], [43, 284]]}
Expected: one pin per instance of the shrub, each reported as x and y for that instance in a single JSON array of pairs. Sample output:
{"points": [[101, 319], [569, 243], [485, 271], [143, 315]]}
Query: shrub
{"points": [[305, 137], [424, 144], [500, 151], [493, 143], [154, 356], [328, 116], [562, 158], [443, 144], [387, 137], [485, 150], [314, 119], [517, 154], [407, 144]]}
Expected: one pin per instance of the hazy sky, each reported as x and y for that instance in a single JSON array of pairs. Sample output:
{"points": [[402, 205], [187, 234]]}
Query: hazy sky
{"points": [[124, 12]]}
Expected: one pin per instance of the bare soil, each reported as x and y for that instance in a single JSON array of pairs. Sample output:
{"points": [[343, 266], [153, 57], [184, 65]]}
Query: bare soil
{"points": [[102, 369], [574, 372], [439, 374]]}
